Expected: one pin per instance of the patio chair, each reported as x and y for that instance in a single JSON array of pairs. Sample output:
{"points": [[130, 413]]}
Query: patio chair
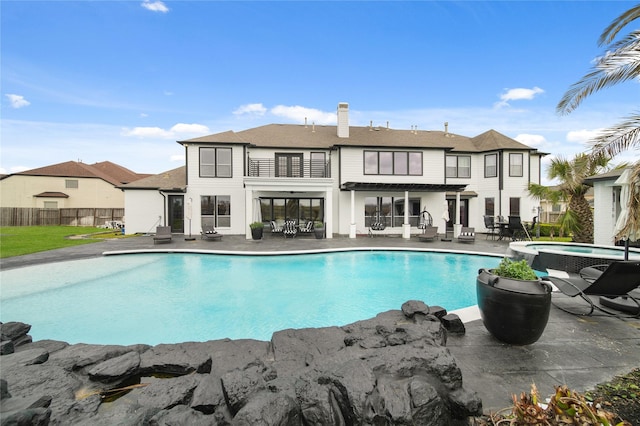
{"points": [[275, 228], [289, 229], [617, 280], [376, 226], [209, 233], [429, 233], [467, 235], [306, 229], [163, 235], [515, 229], [490, 224]]}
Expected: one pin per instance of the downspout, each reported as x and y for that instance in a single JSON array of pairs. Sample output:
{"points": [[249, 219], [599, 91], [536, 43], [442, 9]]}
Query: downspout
{"points": [[164, 208], [500, 181]]}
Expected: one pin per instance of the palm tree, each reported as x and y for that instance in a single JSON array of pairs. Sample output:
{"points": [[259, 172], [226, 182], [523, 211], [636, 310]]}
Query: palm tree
{"points": [[577, 217], [620, 63]]}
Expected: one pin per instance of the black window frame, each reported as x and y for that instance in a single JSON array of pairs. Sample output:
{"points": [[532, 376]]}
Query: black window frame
{"points": [[457, 169], [217, 210], [216, 165], [486, 167], [394, 154], [511, 165]]}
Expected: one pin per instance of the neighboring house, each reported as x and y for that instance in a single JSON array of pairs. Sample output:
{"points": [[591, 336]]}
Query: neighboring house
{"points": [[550, 212], [70, 184], [347, 177], [606, 205]]}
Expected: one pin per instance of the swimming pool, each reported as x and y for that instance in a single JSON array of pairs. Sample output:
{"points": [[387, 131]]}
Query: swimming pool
{"points": [[171, 297]]}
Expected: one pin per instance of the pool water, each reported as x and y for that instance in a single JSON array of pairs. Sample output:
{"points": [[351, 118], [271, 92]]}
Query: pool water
{"points": [[171, 297], [603, 251]]}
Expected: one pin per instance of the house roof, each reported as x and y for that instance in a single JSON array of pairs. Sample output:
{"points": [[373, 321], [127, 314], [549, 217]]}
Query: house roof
{"points": [[325, 137], [172, 180], [52, 194], [106, 170], [610, 175]]}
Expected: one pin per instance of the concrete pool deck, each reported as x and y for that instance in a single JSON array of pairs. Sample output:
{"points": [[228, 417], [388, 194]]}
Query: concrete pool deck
{"points": [[577, 351]]}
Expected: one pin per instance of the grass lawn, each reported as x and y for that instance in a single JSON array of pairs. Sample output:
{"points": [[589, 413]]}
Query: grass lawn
{"points": [[19, 240]]}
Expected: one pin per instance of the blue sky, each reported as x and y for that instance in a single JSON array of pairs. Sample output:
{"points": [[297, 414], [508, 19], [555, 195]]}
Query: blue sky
{"points": [[123, 80]]}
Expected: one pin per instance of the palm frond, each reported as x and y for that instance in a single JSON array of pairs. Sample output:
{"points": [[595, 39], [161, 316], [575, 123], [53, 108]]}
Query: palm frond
{"points": [[618, 138], [620, 22], [613, 68]]}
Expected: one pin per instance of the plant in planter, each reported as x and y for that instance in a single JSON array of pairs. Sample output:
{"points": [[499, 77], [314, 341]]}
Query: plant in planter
{"points": [[318, 229], [256, 230], [514, 303]]}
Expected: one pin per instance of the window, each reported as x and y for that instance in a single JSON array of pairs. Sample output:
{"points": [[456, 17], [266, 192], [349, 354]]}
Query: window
{"points": [[489, 206], [216, 210], [458, 166], [50, 205], [71, 183], [289, 165], [515, 164], [215, 162], [514, 206], [318, 164], [399, 163], [298, 209], [491, 165], [379, 209]]}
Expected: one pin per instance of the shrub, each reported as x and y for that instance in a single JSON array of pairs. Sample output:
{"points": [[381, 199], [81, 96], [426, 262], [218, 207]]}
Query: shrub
{"points": [[519, 270]]}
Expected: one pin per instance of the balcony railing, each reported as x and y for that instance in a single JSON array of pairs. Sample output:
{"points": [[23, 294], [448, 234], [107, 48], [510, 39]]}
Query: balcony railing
{"points": [[266, 167]]}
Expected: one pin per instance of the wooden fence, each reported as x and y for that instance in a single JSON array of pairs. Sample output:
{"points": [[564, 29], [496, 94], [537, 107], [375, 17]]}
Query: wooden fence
{"points": [[17, 216]]}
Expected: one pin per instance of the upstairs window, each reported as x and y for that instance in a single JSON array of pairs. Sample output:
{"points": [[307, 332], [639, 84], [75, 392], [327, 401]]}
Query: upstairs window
{"points": [[398, 163], [71, 183], [215, 162], [458, 166], [515, 164], [491, 165]]}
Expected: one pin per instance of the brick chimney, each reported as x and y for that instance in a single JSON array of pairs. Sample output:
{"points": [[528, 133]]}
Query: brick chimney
{"points": [[343, 120]]}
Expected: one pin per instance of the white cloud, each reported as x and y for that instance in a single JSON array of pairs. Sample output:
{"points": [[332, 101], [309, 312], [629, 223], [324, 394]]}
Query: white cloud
{"points": [[147, 132], [177, 158], [299, 113], [176, 132], [255, 109], [14, 169], [198, 129], [535, 141], [17, 101], [518, 94], [155, 6], [582, 136]]}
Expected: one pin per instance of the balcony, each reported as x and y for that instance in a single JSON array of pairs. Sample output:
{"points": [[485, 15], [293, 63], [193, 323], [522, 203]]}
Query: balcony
{"points": [[291, 168]]}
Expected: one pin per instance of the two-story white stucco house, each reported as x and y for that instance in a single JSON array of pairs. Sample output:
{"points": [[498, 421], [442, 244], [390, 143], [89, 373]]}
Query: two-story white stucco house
{"points": [[347, 177]]}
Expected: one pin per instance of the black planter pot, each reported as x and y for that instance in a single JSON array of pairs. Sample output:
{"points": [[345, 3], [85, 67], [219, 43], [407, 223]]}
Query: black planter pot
{"points": [[319, 232], [256, 233], [514, 311]]}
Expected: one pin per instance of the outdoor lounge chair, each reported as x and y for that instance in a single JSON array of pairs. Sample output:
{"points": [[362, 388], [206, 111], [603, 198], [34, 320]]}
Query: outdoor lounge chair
{"points": [[617, 280], [429, 233], [209, 233], [467, 235], [163, 235], [376, 226], [275, 229], [289, 229], [307, 229]]}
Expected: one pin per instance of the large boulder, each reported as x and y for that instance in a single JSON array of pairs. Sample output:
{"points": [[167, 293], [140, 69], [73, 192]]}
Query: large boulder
{"points": [[391, 369]]}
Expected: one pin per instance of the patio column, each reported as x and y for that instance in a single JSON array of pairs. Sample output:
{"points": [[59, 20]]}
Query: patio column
{"points": [[457, 226], [406, 226], [352, 225], [248, 213], [328, 213]]}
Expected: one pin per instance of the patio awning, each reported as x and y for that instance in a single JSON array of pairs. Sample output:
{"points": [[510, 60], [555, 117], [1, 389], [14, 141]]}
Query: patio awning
{"points": [[414, 187], [463, 194]]}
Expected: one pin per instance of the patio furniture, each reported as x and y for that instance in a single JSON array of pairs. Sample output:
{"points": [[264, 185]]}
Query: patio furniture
{"points": [[275, 228], [376, 226], [617, 280], [163, 235], [489, 223], [306, 229], [429, 233], [289, 229], [467, 235], [209, 233], [515, 230]]}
